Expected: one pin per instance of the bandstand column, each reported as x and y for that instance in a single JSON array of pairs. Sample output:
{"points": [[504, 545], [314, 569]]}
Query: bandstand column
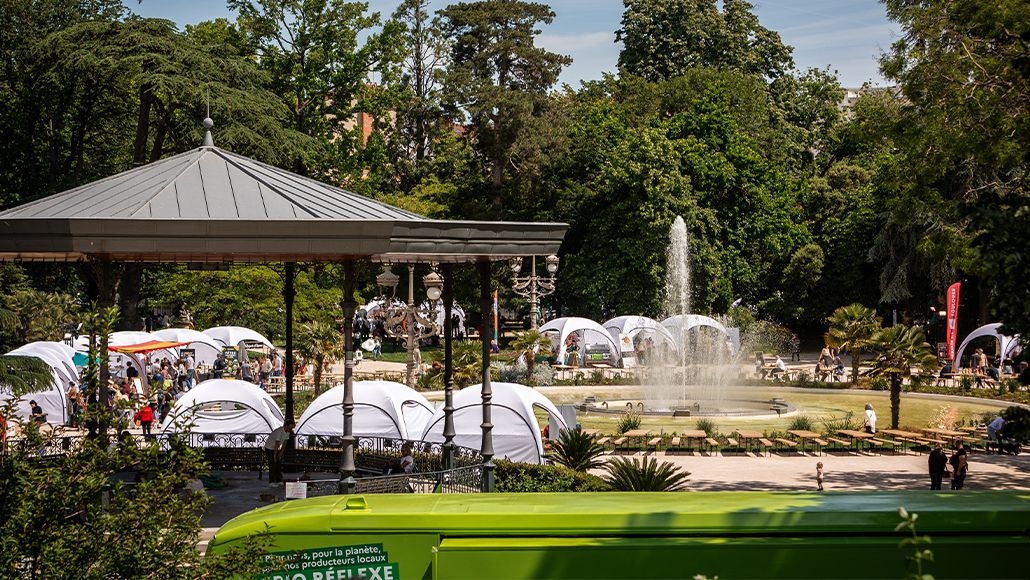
{"points": [[448, 369], [485, 304], [347, 483]]}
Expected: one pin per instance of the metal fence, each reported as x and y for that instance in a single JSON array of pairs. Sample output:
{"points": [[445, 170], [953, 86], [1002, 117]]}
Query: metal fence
{"points": [[458, 480], [236, 451]]}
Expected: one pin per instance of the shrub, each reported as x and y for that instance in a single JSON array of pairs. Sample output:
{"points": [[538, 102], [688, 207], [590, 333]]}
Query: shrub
{"points": [[628, 422], [513, 374], [879, 384], [706, 425], [542, 375], [577, 450], [966, 382], [835, 423], [626, 474], [526, 477], [800, 423]]}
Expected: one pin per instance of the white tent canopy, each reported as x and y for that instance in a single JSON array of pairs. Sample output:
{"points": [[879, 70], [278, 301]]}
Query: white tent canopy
{"points": [[234, 335], [1008, 345], [381, 409], [516, 432], [58, 359], [591, 338], [51, 399], [224, 406], [206, 348], [118, 360], [625, 329], [681, 324]]}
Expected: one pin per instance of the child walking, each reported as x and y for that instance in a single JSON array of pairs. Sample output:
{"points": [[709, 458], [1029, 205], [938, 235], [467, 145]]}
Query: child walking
{"points": [[819, 475]]}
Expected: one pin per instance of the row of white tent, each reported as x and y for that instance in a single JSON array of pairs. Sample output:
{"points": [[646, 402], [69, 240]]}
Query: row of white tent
{"points": [[65, 360], [381, 409], [619, 334]]}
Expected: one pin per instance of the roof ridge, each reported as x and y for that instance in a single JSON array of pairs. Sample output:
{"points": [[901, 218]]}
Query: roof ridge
{"points": [[230, 157], [228, 154], [170, 182]]}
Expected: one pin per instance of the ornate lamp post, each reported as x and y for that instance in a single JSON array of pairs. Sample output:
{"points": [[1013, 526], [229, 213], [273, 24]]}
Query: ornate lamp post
{"points": [[534, 287], [408, 321]]}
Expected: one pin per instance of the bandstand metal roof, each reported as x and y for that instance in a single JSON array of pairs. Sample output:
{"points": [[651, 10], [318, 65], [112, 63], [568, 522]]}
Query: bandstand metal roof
{"points": [[210, 205]]}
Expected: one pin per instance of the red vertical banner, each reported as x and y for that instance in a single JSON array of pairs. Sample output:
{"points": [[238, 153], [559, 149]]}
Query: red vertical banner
{"points": [[952, 330], [496, 313]]}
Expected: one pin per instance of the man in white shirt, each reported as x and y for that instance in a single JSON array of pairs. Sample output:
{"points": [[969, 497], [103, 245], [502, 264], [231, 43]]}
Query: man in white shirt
{"points": [[191, 370], [275, 447]]}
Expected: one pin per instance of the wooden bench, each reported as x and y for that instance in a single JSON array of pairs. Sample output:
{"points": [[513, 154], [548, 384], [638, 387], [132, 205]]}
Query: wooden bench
{"points": [[733, 444], [787, 443], [819, 444], [604, 441], [877, 444], [619, 442], [842, 444], [765, 445], [713, 444], [653, 443]]}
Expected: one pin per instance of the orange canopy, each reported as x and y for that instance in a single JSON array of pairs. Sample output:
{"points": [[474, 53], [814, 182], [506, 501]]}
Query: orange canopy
{"points": [[143, 347]]}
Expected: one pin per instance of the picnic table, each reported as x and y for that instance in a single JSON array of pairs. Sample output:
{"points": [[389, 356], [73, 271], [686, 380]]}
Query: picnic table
{"points": [[807, 437], [856, 436], [750, 437], [635, 438], [945, 434]]}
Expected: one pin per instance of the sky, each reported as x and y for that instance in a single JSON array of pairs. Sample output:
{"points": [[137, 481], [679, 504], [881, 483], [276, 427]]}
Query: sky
{"points": [[845, 36]]}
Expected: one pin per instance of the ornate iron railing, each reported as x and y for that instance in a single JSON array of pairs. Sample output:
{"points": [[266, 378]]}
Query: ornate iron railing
{"points": [[458, 480], [313, 453]]}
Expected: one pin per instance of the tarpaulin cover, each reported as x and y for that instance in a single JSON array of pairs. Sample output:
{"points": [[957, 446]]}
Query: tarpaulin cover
{"points": [[149, 346]]}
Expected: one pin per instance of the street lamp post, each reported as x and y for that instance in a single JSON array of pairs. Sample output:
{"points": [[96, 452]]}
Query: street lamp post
{"points": [[410, 322], [534, 287]]}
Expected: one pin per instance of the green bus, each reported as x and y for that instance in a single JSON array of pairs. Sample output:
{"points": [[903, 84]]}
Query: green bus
{"points": [[731, 535]]}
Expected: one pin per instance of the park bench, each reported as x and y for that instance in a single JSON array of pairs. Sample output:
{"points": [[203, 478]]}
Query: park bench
{"points": [[786, 444], [877, 444], [732, 445], [765, 445], [653, 443], [713, 445], [820, 444], [604, 441], [841, 444], [674, 445], [620, 443]]}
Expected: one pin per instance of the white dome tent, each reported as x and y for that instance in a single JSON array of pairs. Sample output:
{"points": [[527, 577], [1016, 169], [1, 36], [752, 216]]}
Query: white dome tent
{"points": [[118, 360], [51, 399], [682, 323], [1008, 345], [224, 406], [381, 409], [516, 432], [58, 359], [594, 342], [626, 329], [206, 348], [234, 335]]}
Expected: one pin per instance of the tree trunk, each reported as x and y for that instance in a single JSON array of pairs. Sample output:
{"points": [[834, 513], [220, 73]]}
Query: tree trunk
{"points": [[895, 400], [856, 360], [317, 376]]}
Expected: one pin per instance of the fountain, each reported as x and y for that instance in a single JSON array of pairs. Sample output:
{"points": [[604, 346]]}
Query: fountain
{"points": [[696, 375]]}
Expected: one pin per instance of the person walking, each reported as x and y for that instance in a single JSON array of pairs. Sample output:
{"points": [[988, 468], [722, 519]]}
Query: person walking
{"points": [[795, 348], [275, 448], [819, 475], [870, 419], [145, 417], [959, 466], [938, 464]]}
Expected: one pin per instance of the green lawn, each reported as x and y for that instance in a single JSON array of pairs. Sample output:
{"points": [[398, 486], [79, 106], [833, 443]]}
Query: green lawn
{"points": [[917, 411]]}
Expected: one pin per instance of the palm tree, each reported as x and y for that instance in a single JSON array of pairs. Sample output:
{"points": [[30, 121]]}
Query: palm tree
{"points": [[22, 374], [577, 450], [320, 343], [899, 348], [851, 327], [626, 474], [528, 344], [467, 359]]}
